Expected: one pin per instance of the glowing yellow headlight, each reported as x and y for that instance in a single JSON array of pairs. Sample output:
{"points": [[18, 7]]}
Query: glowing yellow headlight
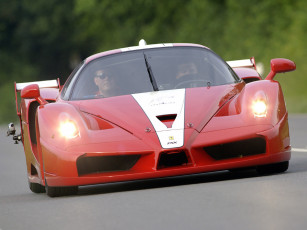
{"points": [[69, 129], [260, 108]]}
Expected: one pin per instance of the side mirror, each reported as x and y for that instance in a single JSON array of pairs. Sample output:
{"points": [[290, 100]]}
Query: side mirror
{"points": [[280, 65], [32, 92]]}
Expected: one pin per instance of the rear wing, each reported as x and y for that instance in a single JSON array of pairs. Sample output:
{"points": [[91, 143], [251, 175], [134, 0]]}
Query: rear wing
{"points": [[245, 63], [41, 84]]}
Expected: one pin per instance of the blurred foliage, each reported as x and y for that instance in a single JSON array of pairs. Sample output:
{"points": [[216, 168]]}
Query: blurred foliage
{"points": [[42, 39]]}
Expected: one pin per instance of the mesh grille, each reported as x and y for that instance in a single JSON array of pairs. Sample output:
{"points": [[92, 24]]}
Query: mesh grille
{"points": [[91, 165], [170, 159], [242, 148]]}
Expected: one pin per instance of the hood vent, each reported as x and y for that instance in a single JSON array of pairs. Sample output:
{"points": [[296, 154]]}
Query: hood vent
{"points": [[167, 120]]}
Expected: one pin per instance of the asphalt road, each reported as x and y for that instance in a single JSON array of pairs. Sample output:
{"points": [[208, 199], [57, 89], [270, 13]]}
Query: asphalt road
{"points": [[219, 200]]}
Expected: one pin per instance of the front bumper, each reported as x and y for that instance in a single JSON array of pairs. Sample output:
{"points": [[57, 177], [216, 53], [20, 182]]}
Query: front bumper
{"points": [[61, 166]]}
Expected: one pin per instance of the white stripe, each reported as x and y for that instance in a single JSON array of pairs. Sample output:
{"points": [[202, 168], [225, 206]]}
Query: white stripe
{"points": [[299, 150], [41, 84], [146, 47], [164, 103]]}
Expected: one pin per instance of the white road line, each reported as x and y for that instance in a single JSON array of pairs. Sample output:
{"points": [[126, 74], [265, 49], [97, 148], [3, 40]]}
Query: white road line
{"points": [[299, 150]]}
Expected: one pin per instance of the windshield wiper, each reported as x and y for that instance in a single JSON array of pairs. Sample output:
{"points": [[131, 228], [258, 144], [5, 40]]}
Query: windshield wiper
{"points": [[150, 73]]}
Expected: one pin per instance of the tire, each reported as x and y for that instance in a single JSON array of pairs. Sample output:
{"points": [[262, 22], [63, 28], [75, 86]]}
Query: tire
{"points": [[61, 191], [273, 168], [37, 188]]}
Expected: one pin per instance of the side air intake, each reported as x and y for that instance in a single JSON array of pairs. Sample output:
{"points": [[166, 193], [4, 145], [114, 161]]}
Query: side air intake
{"points": [[235, 149], [101, 164]]}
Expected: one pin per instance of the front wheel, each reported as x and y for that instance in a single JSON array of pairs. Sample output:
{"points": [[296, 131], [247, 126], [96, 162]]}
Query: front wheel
{"points": [[61, 191], [273, 168], [36, 188]]}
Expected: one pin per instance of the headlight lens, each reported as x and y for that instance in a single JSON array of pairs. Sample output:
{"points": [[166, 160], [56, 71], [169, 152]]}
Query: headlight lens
{"points": [[69, 129], [260, 108]]}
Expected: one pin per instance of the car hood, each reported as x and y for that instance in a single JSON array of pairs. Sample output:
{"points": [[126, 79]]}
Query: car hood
{"points": [[166, 113]]}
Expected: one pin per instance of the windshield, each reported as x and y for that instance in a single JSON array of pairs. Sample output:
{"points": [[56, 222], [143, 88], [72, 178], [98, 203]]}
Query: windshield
{"points": [[151, 70]]}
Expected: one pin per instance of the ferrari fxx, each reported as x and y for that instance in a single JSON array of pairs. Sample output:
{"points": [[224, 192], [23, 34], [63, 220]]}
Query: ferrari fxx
{"points": [[152, 111]]}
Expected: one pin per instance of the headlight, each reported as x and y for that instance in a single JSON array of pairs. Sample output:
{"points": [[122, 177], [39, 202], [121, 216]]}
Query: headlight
{"points": [[69, 129], [259, 108]]}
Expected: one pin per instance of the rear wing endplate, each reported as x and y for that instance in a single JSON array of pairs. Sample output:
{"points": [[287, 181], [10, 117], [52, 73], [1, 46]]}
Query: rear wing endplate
{"points": [[41, 84]]}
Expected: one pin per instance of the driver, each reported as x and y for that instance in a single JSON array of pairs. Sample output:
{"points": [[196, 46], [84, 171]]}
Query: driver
{"points": [[186, 69], [105, 83]]}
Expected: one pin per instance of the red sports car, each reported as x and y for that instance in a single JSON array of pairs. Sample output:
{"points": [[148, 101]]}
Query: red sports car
{"points": [[152, 111]]}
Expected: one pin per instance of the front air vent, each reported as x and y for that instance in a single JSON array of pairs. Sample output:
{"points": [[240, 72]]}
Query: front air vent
{"points": [[32, 126], [167, 119], [171, 159], [33, 171], [235, 149], [102, 164]]}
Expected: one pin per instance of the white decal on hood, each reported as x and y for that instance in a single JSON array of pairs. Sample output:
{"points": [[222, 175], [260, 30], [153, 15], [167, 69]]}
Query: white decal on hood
{"points": [[164, 103]]}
